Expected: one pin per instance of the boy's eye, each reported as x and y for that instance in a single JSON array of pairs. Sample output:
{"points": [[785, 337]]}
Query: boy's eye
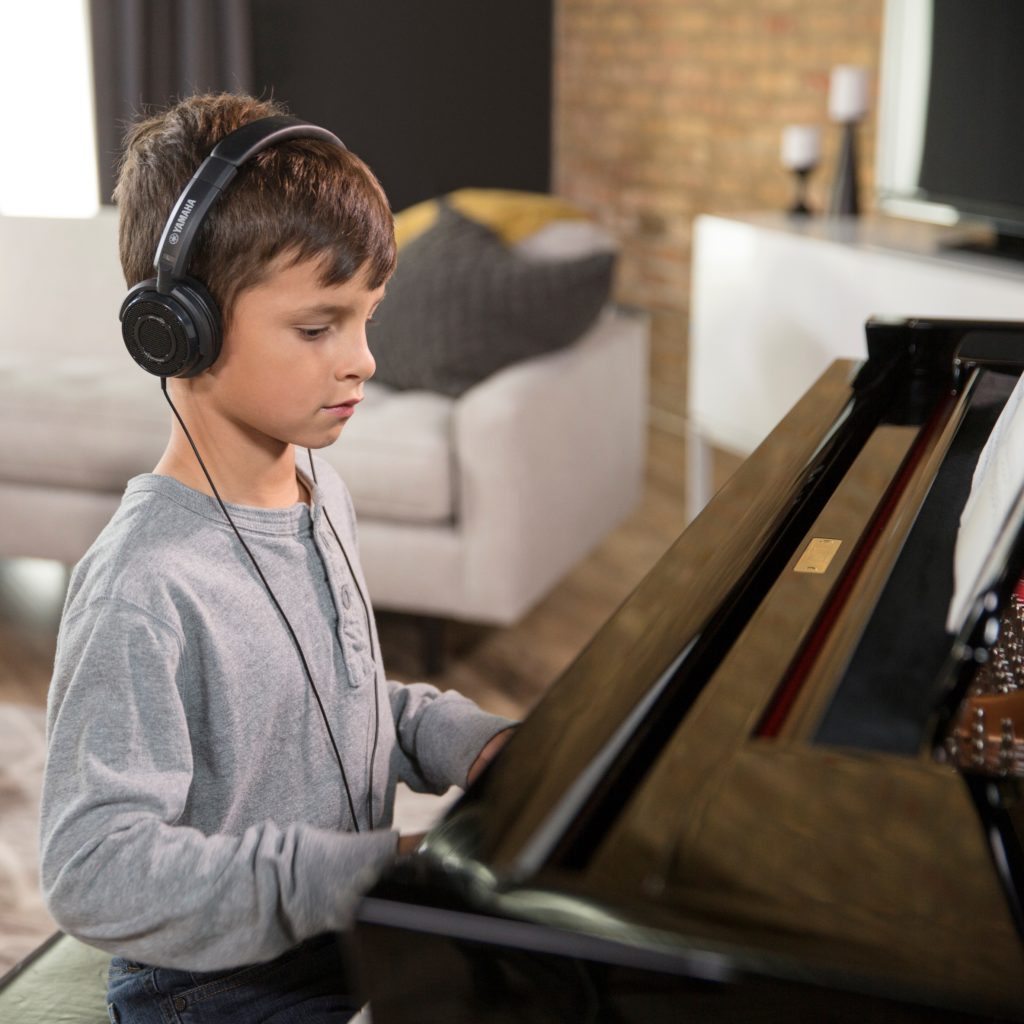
{"points": [[311, 333]]}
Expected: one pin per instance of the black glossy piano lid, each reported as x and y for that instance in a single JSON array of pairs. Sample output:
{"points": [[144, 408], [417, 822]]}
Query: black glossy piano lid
{"points": [[888, 692], [640, 816]]}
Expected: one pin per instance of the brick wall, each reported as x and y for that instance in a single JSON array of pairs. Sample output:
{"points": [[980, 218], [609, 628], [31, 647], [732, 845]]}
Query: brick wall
{"points": [[664, 109]]}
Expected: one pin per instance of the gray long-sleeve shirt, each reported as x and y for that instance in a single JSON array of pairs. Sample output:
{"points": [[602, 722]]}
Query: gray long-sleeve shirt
{"points": [[193, 811]]}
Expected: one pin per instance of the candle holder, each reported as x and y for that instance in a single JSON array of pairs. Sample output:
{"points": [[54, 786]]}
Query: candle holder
{"points": [[800, 207], [801, 151], [848, 99], [845, 197]]}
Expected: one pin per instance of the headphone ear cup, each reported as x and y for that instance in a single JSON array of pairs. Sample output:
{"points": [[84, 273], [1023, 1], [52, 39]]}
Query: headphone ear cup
{"points": [[175, 335]]}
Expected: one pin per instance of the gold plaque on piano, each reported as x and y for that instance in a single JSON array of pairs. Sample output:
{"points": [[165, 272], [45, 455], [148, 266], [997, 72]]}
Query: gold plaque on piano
{"points": [[818, 556]]}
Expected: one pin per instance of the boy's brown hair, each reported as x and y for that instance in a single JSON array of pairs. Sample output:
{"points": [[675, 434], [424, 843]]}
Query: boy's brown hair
{"points": [[305, 198]]}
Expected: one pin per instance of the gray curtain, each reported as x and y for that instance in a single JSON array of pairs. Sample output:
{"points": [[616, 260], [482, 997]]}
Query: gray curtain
{"points": [[148, 53]]}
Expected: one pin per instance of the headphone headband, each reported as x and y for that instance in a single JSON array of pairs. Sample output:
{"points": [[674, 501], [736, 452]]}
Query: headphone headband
{"points": [[215, 173], [170, 324]]}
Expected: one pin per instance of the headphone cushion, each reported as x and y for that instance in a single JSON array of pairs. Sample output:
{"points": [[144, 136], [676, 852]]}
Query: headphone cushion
{"points": [[171, 335]]}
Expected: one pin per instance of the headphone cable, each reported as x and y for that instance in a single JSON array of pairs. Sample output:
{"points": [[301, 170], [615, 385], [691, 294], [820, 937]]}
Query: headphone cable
{"points": [[295, 639]]}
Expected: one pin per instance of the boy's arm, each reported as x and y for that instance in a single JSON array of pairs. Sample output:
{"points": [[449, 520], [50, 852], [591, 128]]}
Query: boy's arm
{"points": [[117, 870], [441, 736], [488, 754]]}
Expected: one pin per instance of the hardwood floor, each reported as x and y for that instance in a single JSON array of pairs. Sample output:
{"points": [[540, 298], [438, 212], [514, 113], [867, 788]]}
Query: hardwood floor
{"points": [[504, 670]]}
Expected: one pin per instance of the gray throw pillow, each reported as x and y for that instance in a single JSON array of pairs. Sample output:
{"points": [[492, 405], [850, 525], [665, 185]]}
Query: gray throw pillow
{"points": [[462, 305]]}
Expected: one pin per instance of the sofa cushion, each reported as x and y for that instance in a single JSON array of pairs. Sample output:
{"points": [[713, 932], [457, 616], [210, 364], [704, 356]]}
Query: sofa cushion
{"points": [[79, 424], [462, 305], [566, 240], [395, 454], [510, 213]]}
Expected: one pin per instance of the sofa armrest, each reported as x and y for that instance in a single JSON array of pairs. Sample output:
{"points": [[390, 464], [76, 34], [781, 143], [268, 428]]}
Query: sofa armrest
{"points": [[549, 457]]}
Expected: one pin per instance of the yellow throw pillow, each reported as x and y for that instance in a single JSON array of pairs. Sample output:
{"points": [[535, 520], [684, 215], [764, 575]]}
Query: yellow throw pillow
{"points": [[511, 214], [411, 222]]}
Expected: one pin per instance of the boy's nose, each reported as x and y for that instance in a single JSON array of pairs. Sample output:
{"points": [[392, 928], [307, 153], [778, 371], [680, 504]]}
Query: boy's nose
{"points": [[358, 363]]}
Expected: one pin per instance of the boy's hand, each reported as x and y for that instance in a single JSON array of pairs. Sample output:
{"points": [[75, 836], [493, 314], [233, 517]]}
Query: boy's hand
{"points": [[488, 754], [408, 844]]}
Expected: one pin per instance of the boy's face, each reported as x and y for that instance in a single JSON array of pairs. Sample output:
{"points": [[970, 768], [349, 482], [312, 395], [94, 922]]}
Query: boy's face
{"points": [[294, 351]]}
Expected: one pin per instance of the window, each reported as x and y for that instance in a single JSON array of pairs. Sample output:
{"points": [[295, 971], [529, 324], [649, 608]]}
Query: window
{"points": [[48, 163]]}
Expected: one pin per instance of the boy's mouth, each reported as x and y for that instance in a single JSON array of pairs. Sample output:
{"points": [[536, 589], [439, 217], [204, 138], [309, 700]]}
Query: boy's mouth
{"points": [[345, 409]]}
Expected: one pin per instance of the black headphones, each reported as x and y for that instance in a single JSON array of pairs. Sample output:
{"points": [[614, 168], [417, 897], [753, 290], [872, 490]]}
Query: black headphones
{"points": [[170, 323]]}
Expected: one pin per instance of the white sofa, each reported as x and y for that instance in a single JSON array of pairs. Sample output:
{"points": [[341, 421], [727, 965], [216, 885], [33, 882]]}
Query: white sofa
{"points": [[469, 508]]}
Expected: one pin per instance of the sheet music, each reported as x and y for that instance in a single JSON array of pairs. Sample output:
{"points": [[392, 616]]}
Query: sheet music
{"points": [[997, 480]]}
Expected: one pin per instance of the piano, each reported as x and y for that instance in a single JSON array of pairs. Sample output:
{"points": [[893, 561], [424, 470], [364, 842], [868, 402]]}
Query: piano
{"points": [[778, 784]]}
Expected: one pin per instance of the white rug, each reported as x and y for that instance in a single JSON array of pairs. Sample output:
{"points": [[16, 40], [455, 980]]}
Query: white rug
{"points": [[24, 922]]}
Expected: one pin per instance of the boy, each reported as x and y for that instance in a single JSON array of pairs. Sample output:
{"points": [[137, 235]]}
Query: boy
{"points": [[222, 747]]}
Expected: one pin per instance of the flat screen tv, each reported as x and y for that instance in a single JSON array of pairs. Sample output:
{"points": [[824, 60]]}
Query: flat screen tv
{"points": [[951, 113]]}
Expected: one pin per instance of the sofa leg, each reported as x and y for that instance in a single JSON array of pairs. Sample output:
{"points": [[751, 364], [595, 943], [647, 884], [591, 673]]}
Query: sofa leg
{"points": [[432, 637]]}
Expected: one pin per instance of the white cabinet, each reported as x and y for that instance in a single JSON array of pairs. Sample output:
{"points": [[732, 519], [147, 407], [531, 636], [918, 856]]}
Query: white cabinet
{"points": [[775, 299]]}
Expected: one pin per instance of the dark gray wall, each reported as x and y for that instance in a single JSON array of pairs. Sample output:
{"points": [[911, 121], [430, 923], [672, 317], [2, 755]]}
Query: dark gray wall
{"points": [[433, 94]]}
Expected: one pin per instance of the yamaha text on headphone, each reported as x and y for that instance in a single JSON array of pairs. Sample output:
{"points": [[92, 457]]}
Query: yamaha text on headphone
{"points": [[172, 328]]}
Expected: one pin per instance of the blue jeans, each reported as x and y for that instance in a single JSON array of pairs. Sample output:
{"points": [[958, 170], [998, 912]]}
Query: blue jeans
{"points": [[307, 984]]}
